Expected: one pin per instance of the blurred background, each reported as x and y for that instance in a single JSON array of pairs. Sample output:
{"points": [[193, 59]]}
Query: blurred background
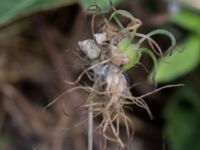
{"points": [[38, 41]]}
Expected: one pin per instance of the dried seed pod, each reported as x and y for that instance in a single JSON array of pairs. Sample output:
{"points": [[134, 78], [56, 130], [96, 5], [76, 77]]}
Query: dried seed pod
{"points": [[118, 57], [100, 37], [110, 29], [90, 48], [115, 80]]}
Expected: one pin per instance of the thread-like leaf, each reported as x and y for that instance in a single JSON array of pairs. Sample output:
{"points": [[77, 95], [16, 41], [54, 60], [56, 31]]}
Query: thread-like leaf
{"points": [[123, 13], [155, 63], [164, 32]]}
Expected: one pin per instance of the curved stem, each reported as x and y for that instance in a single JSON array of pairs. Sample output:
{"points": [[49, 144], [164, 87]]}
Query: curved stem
{"points": [[161, 31], [153, 57]]}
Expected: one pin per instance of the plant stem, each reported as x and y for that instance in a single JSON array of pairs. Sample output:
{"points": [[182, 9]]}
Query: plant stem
{"points": [[90, 126]]}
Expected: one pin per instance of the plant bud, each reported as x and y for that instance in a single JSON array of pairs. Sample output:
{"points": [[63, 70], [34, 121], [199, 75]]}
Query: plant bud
{"points": [[130, 49]]}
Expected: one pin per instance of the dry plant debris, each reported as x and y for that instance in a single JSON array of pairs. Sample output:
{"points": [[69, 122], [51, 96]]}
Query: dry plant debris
{"points": [[114, 49]]}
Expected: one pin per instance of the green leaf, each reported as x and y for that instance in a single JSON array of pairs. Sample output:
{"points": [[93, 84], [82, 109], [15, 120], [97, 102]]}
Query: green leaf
{"points": [[12, 9], [4, 141], [187, 19], [103, 4], [180, 62], [183, 121]]}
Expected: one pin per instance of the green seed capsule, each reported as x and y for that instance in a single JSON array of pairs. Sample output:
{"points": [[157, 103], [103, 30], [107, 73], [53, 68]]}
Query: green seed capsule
{"points": [[124, 43], [126, 46]]}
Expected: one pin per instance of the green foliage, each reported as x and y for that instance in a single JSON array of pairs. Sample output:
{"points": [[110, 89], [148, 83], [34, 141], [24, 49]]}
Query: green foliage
{"points": [[181, 62], [183, 120], [11, 9], [135, 50], [103, 4], [188, 20], [4, 141]]}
